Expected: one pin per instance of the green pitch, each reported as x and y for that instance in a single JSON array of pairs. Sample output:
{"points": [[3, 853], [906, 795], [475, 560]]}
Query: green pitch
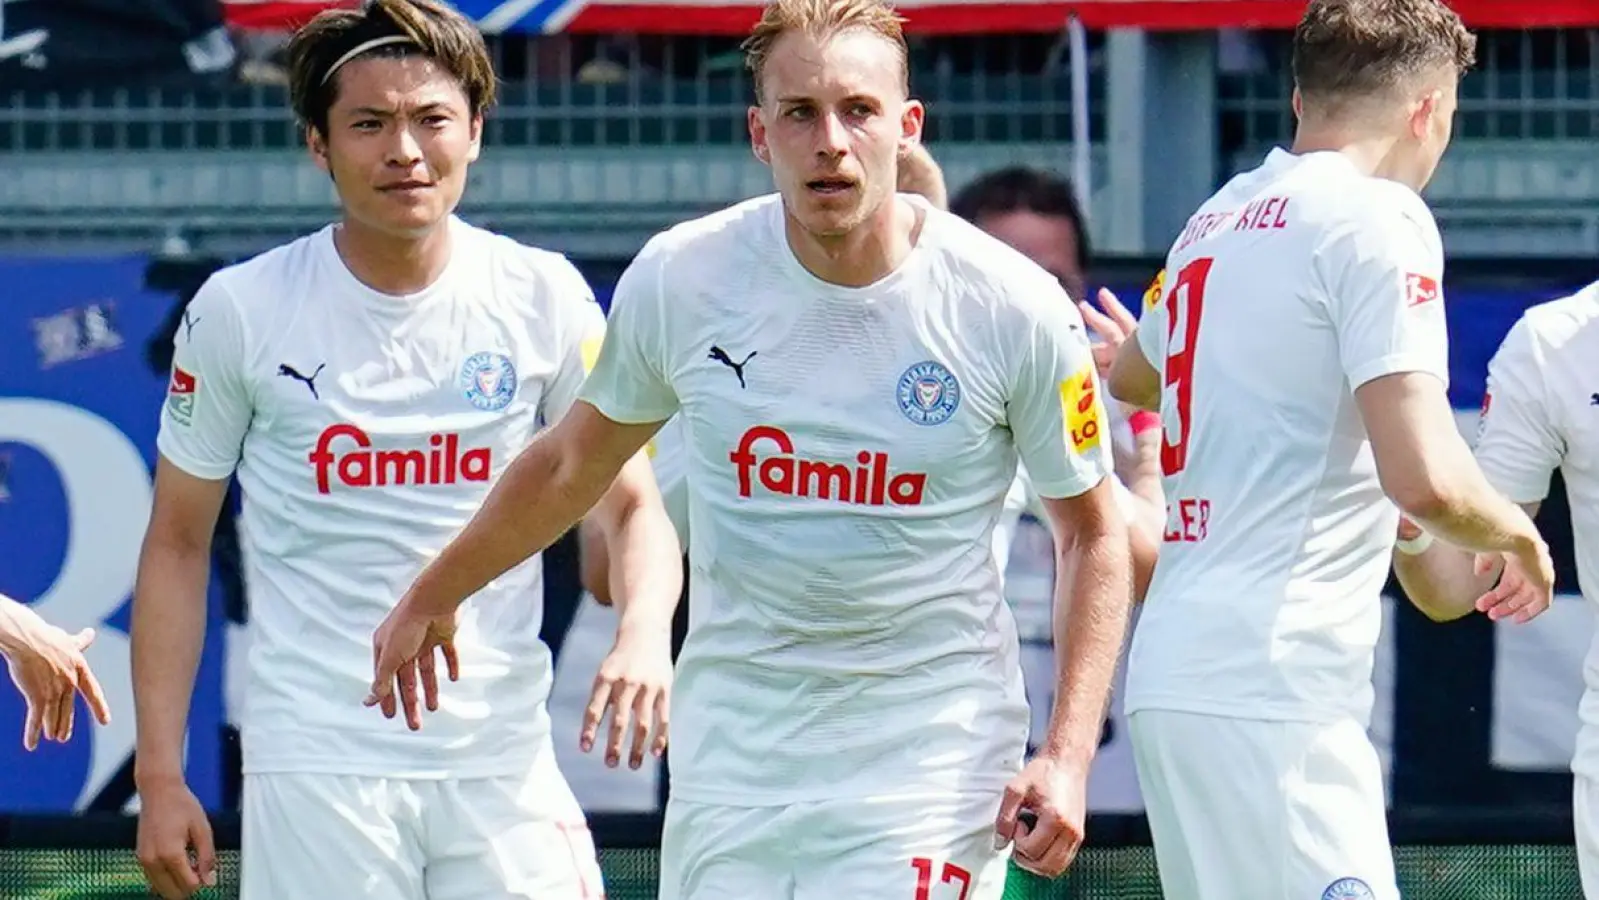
{"points": [[1425, 873]]}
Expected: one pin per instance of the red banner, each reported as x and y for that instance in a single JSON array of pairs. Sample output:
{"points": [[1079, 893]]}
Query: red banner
{"points": [[924, 16]]}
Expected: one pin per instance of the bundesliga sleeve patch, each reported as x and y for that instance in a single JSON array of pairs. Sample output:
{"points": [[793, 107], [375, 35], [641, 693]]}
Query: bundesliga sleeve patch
{"points": [[1420, 289], [1081, 409], [180, 396]]}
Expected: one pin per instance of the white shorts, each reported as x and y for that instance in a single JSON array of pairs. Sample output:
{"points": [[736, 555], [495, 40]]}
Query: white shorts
{"points": [[344, 837], [902, 848], [1585, 815], [1254, 810]]}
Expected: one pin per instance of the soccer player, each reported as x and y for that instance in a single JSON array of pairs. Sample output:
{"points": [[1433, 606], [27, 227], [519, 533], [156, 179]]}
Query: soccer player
{"points": [[1538, 415], [48, 667], [367, 385], [1298, 356], [856, 375]]}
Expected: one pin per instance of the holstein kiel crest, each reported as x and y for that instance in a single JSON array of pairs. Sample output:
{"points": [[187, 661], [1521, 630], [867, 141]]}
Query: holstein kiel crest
{"points": [[489, 381], [1347, 889], [928, 393]]}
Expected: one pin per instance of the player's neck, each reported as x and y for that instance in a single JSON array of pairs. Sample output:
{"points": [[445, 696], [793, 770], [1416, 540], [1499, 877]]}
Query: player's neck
{"points": [[392, 264], [1368, 153], [863, 256]]}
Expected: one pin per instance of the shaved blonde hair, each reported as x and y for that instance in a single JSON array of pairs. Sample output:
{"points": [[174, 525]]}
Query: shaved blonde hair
{"points": [[823, 19]]}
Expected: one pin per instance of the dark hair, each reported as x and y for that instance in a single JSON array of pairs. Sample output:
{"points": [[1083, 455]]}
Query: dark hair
{"points": [[428, 28], [1023, 189], [1359, 49]]}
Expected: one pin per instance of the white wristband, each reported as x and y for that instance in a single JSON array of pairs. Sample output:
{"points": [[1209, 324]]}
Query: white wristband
{"points": [[1416, 545]]}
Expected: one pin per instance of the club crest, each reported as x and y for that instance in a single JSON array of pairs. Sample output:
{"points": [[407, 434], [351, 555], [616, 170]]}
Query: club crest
{"points": [[1348, 889], [928, 393], [489, 381]]}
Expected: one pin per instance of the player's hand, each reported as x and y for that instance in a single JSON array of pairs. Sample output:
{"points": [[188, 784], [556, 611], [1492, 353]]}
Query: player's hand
{"points": [[48, 667], [1525, 587], [1113, 327], [635, 684], [403, 653], [175, 846], [1054, 791]]}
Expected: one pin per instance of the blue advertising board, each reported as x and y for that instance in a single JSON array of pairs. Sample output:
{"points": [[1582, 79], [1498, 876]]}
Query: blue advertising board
{"points": [[78, 419]]}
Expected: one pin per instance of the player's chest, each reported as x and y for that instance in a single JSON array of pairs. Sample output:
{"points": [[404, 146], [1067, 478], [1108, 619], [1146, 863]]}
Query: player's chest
{"points": [[802, 406], [368, 406]]}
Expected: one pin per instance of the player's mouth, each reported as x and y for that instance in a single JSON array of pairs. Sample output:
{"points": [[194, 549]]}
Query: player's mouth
{"points": [[405, 187], [830, 187]]}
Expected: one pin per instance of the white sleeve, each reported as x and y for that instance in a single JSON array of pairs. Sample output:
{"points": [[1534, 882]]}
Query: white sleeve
{"points": [[582, 333], [1057, 410], [1151, 330], [669, 456], [1385, 299], [629, 382], [209, 404], [1518, 446]]}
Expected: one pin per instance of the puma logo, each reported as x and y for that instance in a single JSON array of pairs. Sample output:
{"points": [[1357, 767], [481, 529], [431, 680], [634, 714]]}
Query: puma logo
{"points": [[720, 355], [289, 371]]}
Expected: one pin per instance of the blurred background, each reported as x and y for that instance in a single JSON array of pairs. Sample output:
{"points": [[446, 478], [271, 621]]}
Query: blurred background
{"points": [[144, 143]]}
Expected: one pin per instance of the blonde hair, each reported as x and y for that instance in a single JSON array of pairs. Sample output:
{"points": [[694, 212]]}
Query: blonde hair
{"points": [[824, 19]]}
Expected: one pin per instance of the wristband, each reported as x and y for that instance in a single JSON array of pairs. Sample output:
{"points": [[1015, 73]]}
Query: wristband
{"points": [[1143, 420], [1416, 545]]}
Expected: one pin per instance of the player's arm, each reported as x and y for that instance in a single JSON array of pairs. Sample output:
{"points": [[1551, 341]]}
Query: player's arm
{"points": [[1382, 278], [169, 612], [553, 483], [1518, 449], [1057, 417], [667, 462], [550, 485], [1141, 493], [203, 426]]}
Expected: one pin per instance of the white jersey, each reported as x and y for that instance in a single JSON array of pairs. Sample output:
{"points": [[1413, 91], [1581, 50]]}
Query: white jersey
{"points": [[1541, 412], [849, 451], [365, 430], [1296, 284]]}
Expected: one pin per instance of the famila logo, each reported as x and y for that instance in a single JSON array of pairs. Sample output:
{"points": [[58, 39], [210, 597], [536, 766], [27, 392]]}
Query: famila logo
{"points": [[868, 483], [444, 462]]}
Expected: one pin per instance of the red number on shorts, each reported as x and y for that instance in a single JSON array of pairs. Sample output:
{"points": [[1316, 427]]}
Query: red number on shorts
{"points": [[1184, 304], [952, 874]]}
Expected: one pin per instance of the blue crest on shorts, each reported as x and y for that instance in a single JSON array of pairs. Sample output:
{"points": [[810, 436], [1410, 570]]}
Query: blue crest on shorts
{"points": [[1348, 889], [928, 393], [489, 381]]}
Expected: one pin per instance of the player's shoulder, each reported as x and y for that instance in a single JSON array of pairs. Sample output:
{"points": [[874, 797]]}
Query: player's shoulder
{"points": [[996, 273], [527, 273], [717, 239], [1346, 201], [266, 285], [1568, 323]]}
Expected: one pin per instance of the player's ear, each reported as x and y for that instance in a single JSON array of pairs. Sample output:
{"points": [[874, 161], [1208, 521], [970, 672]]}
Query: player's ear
{"points": [[911, 120], [1299, 104], [318, 145], [477, 137], [758, 143], [1422, 112]]}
